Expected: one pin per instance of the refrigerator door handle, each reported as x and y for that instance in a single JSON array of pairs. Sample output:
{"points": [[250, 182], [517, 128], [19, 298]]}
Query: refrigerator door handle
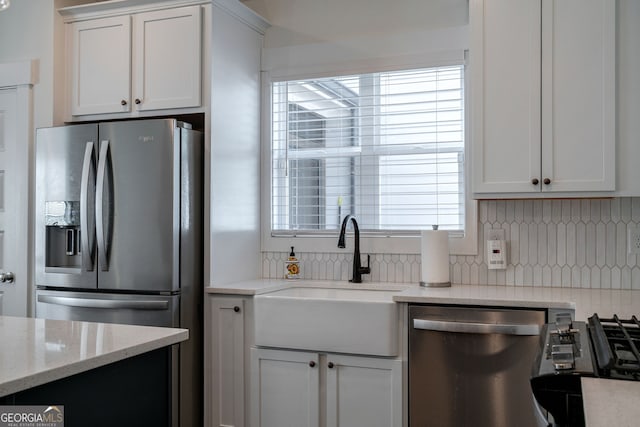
{"points": [[104, 303], [103, 257], [88, 165]]}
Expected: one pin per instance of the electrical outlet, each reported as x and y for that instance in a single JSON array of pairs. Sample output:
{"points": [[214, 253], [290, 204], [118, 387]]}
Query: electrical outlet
{"points": [[633, 239]]}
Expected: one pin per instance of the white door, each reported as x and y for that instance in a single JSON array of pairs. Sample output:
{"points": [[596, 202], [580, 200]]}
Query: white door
{"points": [[166, 58], [14, 199], [100, 52], [225, 391], [363, 391], [578, 95], [285, 388], [505, 86]]}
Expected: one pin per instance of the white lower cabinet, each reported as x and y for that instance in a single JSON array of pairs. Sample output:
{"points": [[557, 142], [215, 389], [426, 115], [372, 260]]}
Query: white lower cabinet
{"points": [[285, 388], [363, 391], [307, 389], [226, 339]]}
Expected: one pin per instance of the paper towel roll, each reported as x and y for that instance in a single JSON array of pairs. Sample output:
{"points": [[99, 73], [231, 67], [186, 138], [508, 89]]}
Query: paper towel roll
{"points": [[435, 258]]}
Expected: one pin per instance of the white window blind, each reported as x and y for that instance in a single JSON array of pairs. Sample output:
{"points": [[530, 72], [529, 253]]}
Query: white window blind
{"points": [[387, 147]]}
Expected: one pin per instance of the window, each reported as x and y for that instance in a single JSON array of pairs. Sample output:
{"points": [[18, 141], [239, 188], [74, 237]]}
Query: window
{"points": [[387, 147]]}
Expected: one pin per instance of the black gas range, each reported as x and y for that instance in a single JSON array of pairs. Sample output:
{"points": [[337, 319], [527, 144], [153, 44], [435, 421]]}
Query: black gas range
{"points": [[569, 350]]}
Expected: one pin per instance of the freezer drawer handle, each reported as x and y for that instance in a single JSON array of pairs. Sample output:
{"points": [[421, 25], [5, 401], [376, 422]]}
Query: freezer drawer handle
{"points": [[104, 303], [476, 328]]}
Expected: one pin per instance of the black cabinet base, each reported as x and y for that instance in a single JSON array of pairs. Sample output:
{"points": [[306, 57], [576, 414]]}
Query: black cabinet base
{"points": [[132, 392]]}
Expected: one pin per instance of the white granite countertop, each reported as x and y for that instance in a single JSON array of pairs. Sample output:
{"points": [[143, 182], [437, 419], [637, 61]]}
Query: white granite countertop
{"points": [[256, 287], [610, 402], [38, 351], [605, 302]]}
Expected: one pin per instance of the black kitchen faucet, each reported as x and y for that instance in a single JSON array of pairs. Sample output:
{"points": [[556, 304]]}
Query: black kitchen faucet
{"points": [[358, 270]]}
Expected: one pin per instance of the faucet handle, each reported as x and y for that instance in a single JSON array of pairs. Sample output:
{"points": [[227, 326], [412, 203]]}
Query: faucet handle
{"points": [[367, 269]]}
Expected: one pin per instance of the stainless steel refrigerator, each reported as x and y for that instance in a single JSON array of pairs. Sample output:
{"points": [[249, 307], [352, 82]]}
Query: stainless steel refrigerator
{"points": [[118, 234]]}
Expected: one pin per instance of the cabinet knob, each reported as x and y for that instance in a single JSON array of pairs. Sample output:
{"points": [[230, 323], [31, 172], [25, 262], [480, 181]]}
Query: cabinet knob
{"points": [[236, 309], [123, 102], [535, 181], [546, 181], [138, 101], [330, 365], [312, 364]]}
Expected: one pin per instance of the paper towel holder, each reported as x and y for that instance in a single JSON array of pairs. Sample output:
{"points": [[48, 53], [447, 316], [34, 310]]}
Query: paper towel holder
{"points": [[445, 284]]}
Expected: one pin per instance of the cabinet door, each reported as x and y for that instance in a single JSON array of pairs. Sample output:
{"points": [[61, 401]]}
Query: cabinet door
{"points": [[578, 91], [166, 58], [363, 392], [505, 95], [285, 388], [226, 349], [99, 57]]}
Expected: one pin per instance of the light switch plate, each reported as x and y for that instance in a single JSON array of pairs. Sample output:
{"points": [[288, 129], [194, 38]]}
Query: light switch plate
{"points": [[496, 254]]}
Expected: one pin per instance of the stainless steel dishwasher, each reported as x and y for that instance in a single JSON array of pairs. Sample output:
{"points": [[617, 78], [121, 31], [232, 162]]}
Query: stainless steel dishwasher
{"points": [[471, 366]]}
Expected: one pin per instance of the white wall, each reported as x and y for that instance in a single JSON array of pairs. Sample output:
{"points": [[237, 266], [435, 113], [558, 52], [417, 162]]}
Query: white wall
{"points": [[235, 151], [32, 30], [26, 30], [297, 22], [354, 35]]}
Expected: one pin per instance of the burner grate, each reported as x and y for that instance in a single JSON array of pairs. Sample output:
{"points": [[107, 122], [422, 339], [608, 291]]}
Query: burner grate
{"points": [[616, 343]]}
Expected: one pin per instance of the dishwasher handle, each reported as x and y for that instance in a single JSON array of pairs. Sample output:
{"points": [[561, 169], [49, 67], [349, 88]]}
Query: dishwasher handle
{"points": [[476, 328]]}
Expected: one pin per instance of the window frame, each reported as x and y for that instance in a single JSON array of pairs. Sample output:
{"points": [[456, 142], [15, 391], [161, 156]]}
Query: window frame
{"points": [[379, 243]]}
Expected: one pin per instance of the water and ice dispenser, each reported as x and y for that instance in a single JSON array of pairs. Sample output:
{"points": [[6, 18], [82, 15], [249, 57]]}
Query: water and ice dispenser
{"points": [[62, 235]]}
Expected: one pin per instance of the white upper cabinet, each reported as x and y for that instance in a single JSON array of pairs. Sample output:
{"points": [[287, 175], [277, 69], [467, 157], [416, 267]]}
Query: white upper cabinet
{"points": [[100, 63], [134, 62], [543, 88], [166, 58]]}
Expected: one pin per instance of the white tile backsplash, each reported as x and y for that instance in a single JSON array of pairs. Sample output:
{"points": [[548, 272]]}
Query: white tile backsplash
{"points": [[561, 243]]}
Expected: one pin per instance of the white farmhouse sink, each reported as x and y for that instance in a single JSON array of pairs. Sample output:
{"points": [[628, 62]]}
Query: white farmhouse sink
{"points": [[358, 321]]}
